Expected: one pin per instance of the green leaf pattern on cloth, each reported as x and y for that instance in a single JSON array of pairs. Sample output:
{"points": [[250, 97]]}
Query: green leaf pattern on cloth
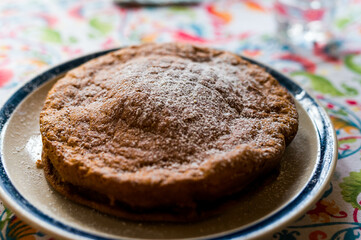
{"points": [[351, 188], [50, 35], [101, 25], [12, 228], [345, 141], [343, 22], [320, 84], [349, 91], [351, 63]]}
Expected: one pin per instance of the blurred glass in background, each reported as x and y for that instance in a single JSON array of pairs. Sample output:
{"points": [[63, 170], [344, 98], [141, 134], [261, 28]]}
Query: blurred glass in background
{"points": [[305, 23]]}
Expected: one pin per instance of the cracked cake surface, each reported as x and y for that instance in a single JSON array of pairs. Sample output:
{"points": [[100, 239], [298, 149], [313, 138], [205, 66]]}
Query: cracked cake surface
{"points": [[163, 126]]}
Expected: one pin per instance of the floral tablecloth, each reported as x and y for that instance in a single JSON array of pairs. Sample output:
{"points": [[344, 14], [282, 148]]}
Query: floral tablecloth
{"points": [[37, 34]]}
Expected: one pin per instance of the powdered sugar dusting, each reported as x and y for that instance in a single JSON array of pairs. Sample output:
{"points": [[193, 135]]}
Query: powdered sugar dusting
{"points": [[169, 111]]}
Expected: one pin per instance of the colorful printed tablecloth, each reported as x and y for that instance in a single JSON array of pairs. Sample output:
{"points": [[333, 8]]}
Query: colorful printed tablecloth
{"points": [[37, 34]]}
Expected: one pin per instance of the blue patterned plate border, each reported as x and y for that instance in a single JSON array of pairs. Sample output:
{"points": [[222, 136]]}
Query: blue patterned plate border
{"points": [[325, 164]]}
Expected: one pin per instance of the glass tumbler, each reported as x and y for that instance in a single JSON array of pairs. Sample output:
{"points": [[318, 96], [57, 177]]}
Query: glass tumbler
{"points": [[304, 23]]}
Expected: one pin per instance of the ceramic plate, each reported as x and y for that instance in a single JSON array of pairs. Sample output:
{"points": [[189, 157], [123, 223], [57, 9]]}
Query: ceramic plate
{"points": [[304, 174]]}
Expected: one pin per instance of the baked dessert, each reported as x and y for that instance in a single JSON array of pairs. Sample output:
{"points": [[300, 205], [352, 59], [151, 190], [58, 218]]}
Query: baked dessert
{"points": [[151, 132]]}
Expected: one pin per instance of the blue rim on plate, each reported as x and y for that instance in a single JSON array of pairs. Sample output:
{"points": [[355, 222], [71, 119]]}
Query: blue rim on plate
{"points": [[325, 164]]}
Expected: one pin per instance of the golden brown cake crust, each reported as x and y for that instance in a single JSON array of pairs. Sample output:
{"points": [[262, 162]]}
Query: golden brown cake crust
{"points": [[101, 203], [166, 125]]}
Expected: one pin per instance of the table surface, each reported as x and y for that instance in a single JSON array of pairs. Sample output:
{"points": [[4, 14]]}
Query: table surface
{"points": [[38, 34]]}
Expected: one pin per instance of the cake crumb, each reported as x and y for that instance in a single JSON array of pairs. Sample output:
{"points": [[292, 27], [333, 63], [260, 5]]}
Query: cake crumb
{"points": [[39, 164]]}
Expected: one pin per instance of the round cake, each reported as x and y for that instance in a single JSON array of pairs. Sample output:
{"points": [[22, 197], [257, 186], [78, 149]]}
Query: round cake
{"points": [[151, 132]]}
